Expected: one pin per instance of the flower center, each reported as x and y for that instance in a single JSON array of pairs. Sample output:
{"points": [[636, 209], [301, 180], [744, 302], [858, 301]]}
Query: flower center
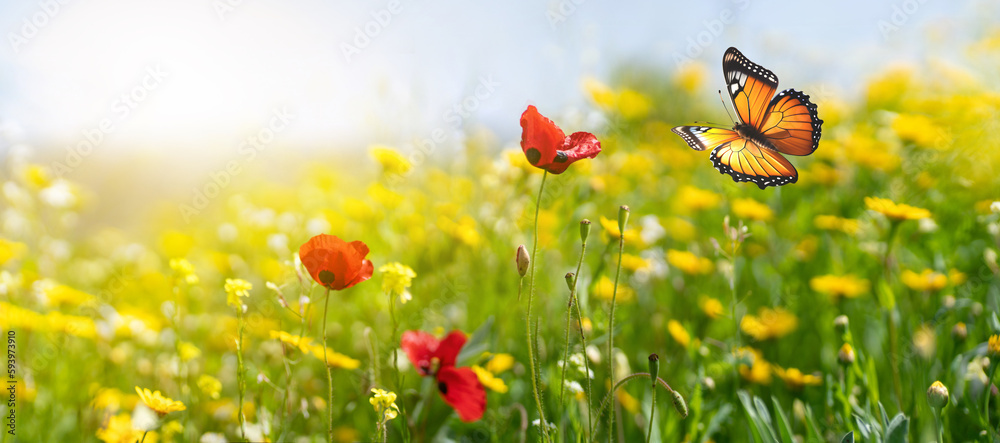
{"points": [[326, 277]]}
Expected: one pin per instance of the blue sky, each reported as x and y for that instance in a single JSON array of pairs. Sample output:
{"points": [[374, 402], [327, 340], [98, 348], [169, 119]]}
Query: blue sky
{"points": [[210, 72]]}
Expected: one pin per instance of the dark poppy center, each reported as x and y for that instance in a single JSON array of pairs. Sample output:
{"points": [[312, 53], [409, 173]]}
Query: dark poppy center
{"points": [[561, 157], [443, 388], [533, 155], [326, 277]]}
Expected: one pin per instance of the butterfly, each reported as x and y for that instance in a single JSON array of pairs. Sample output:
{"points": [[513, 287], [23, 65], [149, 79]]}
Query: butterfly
{"points": [[433, 357], [768, 126]]}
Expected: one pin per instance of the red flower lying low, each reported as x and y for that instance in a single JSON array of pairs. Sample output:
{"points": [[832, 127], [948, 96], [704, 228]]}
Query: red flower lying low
{"points": [[334, 263], [548, 148], [459, 387]]}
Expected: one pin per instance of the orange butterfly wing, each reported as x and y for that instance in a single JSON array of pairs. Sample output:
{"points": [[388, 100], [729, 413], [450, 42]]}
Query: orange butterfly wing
{"points": [[750, 86], [792, 124], [701, 138], [746, 161]]}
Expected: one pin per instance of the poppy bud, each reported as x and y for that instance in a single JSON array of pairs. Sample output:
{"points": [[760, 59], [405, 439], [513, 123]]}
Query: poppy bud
{"points": [[569, 280], [654, 368], [522, 260], [841, 323], [622, 218], [846, 355], [937, 395], [679, 404], [584, 230]]}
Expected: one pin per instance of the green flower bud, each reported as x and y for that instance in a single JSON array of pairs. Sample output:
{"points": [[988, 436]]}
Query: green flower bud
{"points": [[937, 395], [654, 368], [569, 280], [679, 404], [622, 218], [522, 260], [584, 230]]}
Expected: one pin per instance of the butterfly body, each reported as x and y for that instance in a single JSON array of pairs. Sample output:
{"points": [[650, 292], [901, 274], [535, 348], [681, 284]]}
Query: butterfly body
{"points": [[768, 126]]}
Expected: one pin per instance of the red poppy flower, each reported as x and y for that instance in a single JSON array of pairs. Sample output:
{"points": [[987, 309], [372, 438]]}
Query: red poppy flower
{"points": [[548, 148], [459, 387], [334, 263]]}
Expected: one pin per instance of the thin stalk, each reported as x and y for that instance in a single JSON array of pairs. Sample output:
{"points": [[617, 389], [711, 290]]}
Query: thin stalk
{"points": [[630, 377], [569, 318], [986, 396], [241, 376], [143, 436], [395, 363], [531, 296], [652, 412], [890, 310], [611, 326], [329, 373]]}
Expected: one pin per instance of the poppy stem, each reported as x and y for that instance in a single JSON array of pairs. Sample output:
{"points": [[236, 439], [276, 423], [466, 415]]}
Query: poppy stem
{"points": [[241, 375], [329, 373], [574, 300], [531, 293], [611, 324]]}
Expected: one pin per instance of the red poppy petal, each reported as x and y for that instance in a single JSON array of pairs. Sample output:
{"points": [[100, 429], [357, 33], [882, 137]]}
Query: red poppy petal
{"points": [[460, 388], [540, 138], [419, 347], [447, 351], [367, 268], [578, 146], [362, 248]]}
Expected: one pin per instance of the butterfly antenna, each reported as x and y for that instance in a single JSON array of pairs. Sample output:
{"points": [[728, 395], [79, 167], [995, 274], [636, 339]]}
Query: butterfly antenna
{"points": [[726, 107]]}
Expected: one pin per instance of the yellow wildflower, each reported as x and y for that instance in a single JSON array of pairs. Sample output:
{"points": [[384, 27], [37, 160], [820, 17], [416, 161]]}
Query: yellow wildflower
{"points": [[303, 343], [158, 403], [110, 399], [236, 288], [210, 386], [632, 236], [696, 199], [679, 334], [118, 429], [600, 93], [680, 229], [895, 211], [634, 262], [956, 277], [920, 130], [335, 359], [393, 163], [604, 290], [690, 76], [833, 223], [769, 324], [689, 263], [847, 286], [384, 403], [184, 270], [795, 379], [188, 351], [489, 380], [926, 280], [993, 346], [747, 208], [56, 295], [712, 307], [756, 369], [500, 363], [632, 104], [396, 277]]}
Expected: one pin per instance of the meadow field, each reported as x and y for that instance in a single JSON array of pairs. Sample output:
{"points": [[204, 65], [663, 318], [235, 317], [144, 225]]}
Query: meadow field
{"points": [[856, 304]]}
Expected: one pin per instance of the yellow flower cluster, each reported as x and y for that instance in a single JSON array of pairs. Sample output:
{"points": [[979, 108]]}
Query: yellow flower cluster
{"points": [[236, 288], [384, 403], [396, 278], [895, 211], [689, 263], [769, 324], [847, 286], [159, 403], [304, 344]]}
